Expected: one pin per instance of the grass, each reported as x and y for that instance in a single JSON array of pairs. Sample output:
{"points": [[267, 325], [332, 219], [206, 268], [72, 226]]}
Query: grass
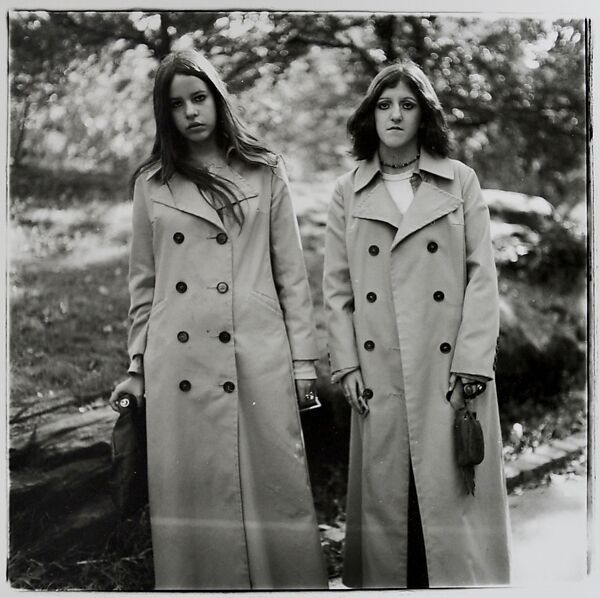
{"points": [[68, 325], [123, 563]]}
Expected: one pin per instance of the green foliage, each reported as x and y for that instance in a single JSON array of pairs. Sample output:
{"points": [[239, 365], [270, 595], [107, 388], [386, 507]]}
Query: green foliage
{"points": [[559, 260], [514, 89], [542, 350], [32, 186]]}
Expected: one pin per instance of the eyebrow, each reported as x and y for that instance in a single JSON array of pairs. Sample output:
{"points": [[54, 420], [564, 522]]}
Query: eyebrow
{"points": [[193, 94], [404, 98]]}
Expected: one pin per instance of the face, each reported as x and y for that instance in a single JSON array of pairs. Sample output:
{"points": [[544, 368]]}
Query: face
{"points": [[397, 117], [193, 108]]}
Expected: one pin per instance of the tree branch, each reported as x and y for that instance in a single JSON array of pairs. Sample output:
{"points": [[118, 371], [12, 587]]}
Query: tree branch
{"points": [[335, 43]]}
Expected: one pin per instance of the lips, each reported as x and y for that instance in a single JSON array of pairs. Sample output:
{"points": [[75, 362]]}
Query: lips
{"points": [[196, 126]]}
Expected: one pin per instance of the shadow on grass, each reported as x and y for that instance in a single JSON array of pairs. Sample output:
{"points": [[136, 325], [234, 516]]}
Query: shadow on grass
{"points": [[122, 563]]}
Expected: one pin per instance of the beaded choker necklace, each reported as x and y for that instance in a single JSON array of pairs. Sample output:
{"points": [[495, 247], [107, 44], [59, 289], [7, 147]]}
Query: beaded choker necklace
{"points": [[400, 165]]}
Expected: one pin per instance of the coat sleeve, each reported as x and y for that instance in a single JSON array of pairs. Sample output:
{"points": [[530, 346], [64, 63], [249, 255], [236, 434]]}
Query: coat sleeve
{"points": [[338, 297], [289, 270], [478, 333], [141, 273]]}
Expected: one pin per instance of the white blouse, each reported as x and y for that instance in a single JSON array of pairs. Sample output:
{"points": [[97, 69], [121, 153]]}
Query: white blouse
{"points": [[400, 189]]}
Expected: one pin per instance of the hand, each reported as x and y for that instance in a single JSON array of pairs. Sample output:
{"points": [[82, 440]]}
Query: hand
{"points": [[455, 392], [304, 388], [133, 385], [353, 386]]}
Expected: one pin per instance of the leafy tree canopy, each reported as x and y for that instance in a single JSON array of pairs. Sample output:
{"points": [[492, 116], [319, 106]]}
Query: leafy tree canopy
{"points": [[513, 89]]}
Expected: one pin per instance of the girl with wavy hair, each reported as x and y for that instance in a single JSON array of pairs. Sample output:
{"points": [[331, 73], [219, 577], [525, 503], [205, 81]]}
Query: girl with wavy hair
{"points": [[411, 301]]}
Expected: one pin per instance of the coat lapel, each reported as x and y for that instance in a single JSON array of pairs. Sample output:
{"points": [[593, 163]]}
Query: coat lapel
{"points": [[429, 204], [183, 195], [376, 204]]}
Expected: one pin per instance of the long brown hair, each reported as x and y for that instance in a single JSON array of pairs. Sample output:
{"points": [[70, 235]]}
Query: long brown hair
{"points": [[170, 149], [434, 135]]}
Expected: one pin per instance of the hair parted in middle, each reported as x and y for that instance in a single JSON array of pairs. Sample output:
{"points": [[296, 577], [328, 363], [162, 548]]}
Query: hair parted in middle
{"points": [[433, 136], [170, 148]]}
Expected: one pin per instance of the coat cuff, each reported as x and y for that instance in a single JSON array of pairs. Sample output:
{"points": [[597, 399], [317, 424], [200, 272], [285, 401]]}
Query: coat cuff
{"points": [[339, 374], [476, 377], [136, 367], [304, 369]]}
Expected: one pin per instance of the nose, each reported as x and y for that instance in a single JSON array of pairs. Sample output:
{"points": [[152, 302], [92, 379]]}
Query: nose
{"points": [[396, 112], [190, 110]]}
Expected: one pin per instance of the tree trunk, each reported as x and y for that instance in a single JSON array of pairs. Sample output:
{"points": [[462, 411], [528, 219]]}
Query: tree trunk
{"points": [[17, 150]]}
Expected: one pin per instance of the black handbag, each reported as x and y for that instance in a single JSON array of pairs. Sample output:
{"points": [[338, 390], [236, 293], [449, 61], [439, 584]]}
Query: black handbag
{"points": [[129, 469], [468, 446]]}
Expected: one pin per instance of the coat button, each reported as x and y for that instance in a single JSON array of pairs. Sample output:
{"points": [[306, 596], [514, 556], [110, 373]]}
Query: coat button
{"points": [[367, 394], [369, 345], [181, 287], [183, 336], [178, 238], [222, 287], [185, 385], [221, 238], [445, 347], [432, 246], [438, 296], [229, 386], [374, 250], [224, 336], [371, 297]]}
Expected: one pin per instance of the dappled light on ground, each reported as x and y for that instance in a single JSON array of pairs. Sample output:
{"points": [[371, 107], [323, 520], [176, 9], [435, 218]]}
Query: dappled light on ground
{"points": [[69, 238]]}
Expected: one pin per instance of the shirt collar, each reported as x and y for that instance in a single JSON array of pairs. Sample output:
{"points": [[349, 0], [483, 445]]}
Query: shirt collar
{"points": [[438, 166]]}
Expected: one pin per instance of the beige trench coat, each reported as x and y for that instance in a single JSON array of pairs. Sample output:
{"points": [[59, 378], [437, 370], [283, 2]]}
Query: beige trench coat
{"points": [[219, 316], [381, 273]]}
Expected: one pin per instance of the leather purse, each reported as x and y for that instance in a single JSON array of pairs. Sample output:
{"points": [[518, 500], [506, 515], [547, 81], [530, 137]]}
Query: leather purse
{"points": [[468, 446], [129, 469]]}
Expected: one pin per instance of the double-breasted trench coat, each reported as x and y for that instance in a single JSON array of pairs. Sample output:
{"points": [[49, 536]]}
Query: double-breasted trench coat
{"points": [[410, 299], [219, 314]]}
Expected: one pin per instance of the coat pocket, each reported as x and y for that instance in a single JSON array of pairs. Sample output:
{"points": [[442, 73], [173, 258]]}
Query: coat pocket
{"points": [[270, 302]]}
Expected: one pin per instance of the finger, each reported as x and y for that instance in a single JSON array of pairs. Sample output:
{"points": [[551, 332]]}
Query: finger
{"points": [[350, 395], [457, 400], [357, 406], [363, 405], [347, 392], [452, 382], [112, 401], [357, 401], [360, 385]]}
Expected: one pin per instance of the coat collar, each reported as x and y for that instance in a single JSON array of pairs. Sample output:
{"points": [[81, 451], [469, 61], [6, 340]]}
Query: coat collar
{"points": [[367, 169], [429, 203], [181, 194], [376, 203]]}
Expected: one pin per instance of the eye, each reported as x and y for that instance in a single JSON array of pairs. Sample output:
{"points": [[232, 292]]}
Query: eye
{"points": [[199, 98], [408, 105], [383, 105], [176, 104]]}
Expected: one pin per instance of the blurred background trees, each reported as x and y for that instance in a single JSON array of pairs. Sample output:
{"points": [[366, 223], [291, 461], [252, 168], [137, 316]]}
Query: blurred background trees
{"points": [[514, 90]]}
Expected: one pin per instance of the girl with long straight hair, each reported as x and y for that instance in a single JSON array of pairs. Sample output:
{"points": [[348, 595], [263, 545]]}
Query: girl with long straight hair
{"points": [[222, 347]]}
